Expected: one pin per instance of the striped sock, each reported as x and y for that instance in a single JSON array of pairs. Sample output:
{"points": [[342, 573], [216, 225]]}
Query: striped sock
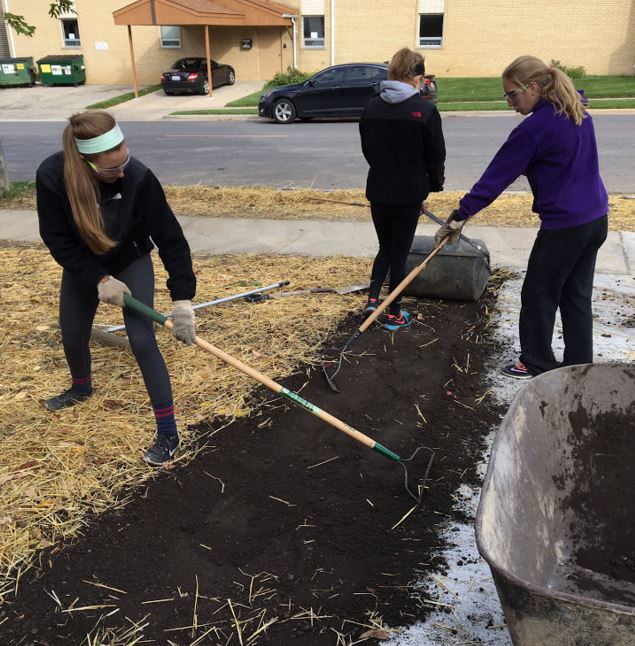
{"points": [[166, 422], [83, 385]]}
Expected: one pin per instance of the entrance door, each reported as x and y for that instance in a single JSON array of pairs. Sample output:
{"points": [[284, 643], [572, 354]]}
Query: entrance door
{"points": [[269, 52]]}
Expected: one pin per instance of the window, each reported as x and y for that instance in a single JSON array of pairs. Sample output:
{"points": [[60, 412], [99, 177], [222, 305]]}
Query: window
{"points": [[170, 37], [314, 31], [430, 30], [367, 73], [331, 75], [70, 32]]}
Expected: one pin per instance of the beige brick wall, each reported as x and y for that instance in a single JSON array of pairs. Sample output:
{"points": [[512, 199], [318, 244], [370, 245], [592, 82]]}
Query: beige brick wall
{"points": [[479, 38]]}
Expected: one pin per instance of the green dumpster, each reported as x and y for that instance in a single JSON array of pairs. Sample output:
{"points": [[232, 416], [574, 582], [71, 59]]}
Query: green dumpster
{"points": [[17, 71], [62, 70]]}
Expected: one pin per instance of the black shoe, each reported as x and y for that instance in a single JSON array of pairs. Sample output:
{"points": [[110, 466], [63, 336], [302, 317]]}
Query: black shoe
{"points": [[68, 398], [163, 449]]}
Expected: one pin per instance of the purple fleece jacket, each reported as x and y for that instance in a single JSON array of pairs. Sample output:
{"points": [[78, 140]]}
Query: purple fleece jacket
{"points": [[560, 161]]}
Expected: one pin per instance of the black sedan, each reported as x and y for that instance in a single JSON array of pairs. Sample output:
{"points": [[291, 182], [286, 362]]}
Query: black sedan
{"points": [[338, 91], [189, 76]]}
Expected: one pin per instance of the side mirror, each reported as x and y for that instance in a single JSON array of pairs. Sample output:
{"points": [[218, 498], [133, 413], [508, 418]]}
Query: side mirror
{"points": [[311, 83]]}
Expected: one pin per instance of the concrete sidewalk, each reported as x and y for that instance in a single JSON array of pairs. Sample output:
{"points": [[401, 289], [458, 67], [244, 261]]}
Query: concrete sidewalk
{"points": [[509, 247]]}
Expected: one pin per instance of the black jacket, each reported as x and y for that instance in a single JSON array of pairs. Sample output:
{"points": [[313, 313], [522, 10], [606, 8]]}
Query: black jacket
{"points": [[404, 146], [143, 217]]}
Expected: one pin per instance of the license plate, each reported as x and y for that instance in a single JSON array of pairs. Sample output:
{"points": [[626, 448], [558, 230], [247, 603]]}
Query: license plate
{"points": [[176, 78]]}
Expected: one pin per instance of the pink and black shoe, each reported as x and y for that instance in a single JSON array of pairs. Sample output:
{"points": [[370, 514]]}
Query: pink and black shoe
{"points": [[371, 306], [516, 370]]}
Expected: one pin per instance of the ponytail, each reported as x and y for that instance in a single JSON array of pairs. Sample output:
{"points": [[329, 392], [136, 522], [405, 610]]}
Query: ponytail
{"points": [[555, 86], [79, 180]]}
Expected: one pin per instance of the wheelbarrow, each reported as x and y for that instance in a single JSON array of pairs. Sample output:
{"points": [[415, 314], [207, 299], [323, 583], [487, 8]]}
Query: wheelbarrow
{"points": [[556, 516]]}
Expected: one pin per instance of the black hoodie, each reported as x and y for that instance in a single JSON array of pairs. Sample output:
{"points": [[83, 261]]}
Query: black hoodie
{"points": [[142, 213], [403, 143]]}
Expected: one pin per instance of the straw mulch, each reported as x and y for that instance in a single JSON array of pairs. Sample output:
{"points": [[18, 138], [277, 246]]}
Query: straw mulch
{"points": [[509, 210], [57, 468]]}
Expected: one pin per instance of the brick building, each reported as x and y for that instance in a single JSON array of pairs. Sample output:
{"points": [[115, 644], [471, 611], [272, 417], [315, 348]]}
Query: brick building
{"points": [[256, 37]]}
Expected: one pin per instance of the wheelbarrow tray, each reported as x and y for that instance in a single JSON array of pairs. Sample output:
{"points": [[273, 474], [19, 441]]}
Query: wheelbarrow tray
{"points": [[556, 518]]}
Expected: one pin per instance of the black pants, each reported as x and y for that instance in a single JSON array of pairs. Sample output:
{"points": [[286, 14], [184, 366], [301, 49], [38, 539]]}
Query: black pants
{"points": [[78, 304], [395, 226], [560, 275]]}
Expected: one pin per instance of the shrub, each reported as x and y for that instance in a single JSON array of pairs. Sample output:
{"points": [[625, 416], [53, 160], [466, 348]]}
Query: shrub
{"points": [[292, 75], [573, 72]]}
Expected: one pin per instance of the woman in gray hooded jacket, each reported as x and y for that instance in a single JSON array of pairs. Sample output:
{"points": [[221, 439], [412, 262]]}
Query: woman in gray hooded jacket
{"points": [[402, 141]]}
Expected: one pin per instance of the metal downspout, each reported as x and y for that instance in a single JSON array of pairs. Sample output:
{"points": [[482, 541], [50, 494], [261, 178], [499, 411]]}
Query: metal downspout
{"points": [[332, 32]]}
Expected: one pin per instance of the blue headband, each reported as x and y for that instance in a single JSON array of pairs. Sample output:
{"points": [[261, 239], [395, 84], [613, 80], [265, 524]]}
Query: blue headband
{"points": [[107, 141]]}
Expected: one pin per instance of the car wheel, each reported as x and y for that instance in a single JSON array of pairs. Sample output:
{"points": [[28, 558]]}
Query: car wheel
{"points": [[231, 78], [283, 111], [168, 93], [205, 88]]}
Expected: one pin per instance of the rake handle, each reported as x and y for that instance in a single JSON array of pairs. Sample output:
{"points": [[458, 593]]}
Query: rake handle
{"points": [[402, 285], [152, 314]]}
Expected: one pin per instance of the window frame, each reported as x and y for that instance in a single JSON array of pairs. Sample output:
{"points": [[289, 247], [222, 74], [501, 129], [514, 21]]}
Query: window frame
{"points": [[163, 40], [68, 43], [429, 45], [305, 39]]}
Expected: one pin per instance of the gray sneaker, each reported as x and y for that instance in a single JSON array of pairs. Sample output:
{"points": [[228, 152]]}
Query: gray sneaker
{"points": [[162, 450], [68, 398]]}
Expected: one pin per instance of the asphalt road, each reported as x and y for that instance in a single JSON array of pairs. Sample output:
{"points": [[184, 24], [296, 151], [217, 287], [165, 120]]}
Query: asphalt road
{"points": [[322, 155]]}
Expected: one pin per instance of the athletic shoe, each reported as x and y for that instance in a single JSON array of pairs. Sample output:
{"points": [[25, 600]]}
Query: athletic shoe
{"points": [[516, 370], [68, 398], [371, 306], [163, 449], [397, 322]]}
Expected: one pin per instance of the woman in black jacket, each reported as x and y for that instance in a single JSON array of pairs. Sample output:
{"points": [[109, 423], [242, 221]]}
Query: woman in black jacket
{"points": [[402, 141], [100, 210]]}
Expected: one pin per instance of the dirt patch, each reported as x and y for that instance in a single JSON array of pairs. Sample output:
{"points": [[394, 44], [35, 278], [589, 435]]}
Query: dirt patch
{"points": [[513, 210], [604, 506], [281, 520]]}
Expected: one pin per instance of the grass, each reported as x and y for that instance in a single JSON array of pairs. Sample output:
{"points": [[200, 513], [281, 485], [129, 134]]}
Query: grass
{"points": [[19, 190], [219, 111], [247, 101], [485, 93], [122, 98], [490, 88]]}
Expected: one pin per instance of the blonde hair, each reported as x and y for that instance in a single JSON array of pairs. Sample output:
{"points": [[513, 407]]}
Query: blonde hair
{"points": [[80, 182], [403, 64], [555, 86]]}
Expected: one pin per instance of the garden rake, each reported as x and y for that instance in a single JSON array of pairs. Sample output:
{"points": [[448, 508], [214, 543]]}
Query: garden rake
{"points": [[292, 396]]}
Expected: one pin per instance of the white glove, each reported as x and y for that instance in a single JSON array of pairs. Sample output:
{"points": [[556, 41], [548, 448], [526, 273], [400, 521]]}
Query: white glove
{"points": [[110, 290], [450, 230], [184, 322]]}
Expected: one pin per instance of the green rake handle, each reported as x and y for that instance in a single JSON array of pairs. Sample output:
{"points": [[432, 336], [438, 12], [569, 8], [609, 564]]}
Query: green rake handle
{"points": [[134, 304]]}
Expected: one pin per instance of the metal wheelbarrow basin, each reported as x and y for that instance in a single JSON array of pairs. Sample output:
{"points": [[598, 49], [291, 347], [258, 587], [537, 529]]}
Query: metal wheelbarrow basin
{"points": [[556, 518]]}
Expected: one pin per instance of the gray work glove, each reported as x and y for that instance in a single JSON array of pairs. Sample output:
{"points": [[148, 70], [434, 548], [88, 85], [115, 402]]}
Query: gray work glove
{"points": [[450, 230], [184, 322], [110, 290]]}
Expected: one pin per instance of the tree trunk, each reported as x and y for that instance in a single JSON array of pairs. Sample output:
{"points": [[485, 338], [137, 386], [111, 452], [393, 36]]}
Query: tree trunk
{"points": [[4, 175]]}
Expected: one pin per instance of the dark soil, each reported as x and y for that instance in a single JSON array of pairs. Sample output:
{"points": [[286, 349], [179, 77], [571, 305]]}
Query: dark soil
{"points": [[603, 497], [283, 518]]}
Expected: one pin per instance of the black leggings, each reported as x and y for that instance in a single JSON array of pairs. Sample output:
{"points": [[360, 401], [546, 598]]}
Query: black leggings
{"points": [[560, 275], [78, 304], [395, 225]]}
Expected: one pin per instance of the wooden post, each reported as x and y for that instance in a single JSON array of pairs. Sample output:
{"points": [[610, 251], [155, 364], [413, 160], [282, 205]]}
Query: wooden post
{"points": [[210, 72], [134, 67]]}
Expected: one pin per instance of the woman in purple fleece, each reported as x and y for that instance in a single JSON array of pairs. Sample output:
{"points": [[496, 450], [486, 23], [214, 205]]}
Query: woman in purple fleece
{"points": [[555, 148]]}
